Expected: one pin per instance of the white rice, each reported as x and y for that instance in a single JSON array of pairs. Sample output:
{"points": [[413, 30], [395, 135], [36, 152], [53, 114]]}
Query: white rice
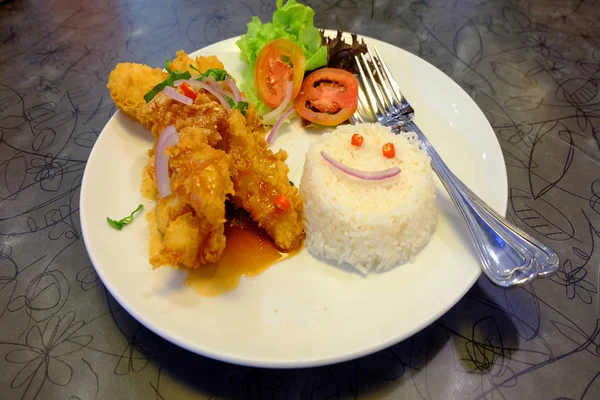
{"points": [[368, 224]]}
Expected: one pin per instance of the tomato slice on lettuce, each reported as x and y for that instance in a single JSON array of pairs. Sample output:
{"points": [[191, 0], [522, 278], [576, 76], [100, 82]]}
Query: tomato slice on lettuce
{"points": [[328, 96], [278, 63]]}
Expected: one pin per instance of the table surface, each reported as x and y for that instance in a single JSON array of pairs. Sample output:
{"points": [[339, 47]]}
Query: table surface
{"points": [[533, 69]]}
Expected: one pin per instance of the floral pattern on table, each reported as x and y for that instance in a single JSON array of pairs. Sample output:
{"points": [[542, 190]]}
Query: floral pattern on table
{"points": [[532, 67]]}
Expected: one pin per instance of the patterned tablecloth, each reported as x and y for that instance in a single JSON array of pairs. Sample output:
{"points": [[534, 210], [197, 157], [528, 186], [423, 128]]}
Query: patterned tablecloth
{"points": [[533, 67]]}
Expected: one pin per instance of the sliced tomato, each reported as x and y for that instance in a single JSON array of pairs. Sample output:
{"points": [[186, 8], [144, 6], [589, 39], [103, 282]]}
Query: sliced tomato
{"points": [[328, 96], [278, 63]]}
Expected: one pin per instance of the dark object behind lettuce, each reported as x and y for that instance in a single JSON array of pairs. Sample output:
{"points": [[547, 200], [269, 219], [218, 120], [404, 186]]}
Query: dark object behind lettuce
{"points": [[341, 54]]}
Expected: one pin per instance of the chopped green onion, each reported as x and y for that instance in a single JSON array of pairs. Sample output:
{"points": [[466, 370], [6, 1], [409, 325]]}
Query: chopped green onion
{"points": [[124, 221], [218, 74], [241, 106], [173, 76], [167, 68]]}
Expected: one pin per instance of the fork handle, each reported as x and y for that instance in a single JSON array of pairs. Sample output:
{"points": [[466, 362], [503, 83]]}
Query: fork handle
{"points": [[508, 255]]}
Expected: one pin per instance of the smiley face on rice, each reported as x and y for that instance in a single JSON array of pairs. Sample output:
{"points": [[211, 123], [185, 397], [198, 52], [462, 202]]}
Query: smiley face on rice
{"points": [[369, 197]]}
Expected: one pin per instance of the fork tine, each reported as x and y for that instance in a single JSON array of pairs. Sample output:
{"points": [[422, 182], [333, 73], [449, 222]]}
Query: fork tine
{"points": [[389, 77], [359, 117], [356, 117], [361, 112], [388, 98], [364, 81], [374, 85], [364, 107]]}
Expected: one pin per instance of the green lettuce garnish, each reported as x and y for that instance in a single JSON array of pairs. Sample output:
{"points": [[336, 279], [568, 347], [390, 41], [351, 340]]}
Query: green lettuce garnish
{"points": [[292, 21]]}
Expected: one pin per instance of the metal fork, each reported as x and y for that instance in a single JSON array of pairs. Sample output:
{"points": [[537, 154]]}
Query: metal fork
{"points": [[509, 256]]}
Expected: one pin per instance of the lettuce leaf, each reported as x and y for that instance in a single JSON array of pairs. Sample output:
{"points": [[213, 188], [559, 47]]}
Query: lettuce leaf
{"points": [[292, 21]]}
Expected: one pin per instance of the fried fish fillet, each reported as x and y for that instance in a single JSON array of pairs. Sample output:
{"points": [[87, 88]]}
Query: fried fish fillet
{"points": [[205, 113], [259, 176], [192, 218], [182, 63], [205, 116], [129, 82]]}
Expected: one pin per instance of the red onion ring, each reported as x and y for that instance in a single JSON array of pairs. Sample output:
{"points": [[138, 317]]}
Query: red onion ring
{"points": [[168, 137], [234, 90], [366, 175], [273, 115], [175, 95], [210, 89], [278, 124], [210, 81]]}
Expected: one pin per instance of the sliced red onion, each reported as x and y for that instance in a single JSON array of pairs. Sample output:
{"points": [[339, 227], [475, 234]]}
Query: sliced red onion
{"points": [[168, 137], [243, 98], [175, 95], [201, 85], [366, 175], [178, 82], [234, 90], [278, 124], [273, 115], [227, 92], [210, 81]]}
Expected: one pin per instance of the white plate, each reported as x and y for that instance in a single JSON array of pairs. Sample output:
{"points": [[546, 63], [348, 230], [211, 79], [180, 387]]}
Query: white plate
{"points": [[324, 314]]}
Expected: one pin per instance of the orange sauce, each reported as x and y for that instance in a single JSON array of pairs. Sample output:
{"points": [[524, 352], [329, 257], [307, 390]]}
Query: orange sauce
{"points": [[248, 252]]}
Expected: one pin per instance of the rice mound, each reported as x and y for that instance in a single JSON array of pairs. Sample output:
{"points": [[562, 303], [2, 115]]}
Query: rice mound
{"points": [[368, 224]]}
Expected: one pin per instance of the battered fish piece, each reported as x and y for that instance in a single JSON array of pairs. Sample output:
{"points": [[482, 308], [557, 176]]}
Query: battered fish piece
{"points": [[205, 116], [129, 82], [259, 176], [192, 218], [182, 63], [205, 113]]}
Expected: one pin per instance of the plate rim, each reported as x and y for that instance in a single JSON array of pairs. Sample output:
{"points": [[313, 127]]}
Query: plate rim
{"points": [[243, 360]]}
